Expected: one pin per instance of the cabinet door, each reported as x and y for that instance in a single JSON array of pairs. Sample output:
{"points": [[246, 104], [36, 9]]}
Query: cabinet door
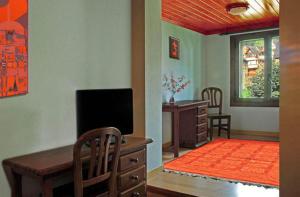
{"points": [[187, 129]]}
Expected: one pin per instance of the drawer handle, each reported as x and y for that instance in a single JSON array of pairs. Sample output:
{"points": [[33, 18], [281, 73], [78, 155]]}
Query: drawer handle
{"points": [[136, 178], [136, 160], [136, 194]]}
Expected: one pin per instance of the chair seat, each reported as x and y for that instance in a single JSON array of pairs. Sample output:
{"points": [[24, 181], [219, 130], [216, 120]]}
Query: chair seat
{"points": [[217, 116]]}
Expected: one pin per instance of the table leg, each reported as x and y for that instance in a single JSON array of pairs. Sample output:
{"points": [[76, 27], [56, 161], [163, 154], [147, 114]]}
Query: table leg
{"points": [[228, 127], [176, 133], [47, 189], [172, 129], [14, 180], [219, 128]]}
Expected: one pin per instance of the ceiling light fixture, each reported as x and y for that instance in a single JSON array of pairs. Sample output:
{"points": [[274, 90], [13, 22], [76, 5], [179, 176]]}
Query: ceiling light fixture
{"points": [[237, 8]]}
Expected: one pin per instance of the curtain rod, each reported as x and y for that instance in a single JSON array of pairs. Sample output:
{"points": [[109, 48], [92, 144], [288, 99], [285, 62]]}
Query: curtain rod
{"points": [[248, 32]]}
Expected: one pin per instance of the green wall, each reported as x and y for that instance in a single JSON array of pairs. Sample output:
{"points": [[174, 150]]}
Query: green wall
{"points": [[191, 65], [109, 43], [153, 101], [73, 44]]}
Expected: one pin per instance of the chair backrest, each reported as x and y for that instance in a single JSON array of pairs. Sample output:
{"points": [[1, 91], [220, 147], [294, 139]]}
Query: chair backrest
{"points": [[214, 96], [102, 162]]}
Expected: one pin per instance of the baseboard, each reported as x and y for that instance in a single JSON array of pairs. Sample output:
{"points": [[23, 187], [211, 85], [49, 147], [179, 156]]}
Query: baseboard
{"points": [[167, 145], [256, 133]]}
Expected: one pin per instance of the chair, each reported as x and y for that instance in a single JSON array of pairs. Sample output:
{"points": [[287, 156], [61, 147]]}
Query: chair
{"points": [[214, 96], [100, 165]]}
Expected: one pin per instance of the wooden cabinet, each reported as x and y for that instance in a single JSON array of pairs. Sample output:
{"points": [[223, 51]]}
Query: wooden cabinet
{"points": [[189, 123]]}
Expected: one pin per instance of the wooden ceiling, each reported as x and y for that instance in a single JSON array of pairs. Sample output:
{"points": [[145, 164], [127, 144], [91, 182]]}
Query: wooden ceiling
{"points": [[210, 16]]}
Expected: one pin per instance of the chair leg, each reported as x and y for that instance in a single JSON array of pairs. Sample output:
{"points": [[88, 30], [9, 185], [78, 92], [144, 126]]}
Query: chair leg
{"points": [[219, 127], [211, 129], [207, 128], [228, 127]]}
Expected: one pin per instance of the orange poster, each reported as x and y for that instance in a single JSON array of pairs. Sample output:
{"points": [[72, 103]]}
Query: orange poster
{"points": [[13, 47]]}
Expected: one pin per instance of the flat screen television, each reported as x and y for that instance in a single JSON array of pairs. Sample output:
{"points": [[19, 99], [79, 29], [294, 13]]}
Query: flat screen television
{"points": [[98, 108]]}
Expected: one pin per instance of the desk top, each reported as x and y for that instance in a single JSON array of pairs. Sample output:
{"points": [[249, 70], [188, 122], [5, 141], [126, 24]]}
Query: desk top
{"points": [[183, 103], [59, 159]]}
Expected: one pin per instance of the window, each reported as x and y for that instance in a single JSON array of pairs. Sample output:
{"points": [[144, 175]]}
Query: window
{"points": [[255, 68]]}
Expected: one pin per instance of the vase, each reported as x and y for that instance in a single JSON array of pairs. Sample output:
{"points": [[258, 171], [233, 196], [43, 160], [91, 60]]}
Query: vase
{"points": [[172, 100]]}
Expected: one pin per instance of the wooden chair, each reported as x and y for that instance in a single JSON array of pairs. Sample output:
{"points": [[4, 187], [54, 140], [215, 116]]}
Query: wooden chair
{"points": [[101, 164], [214, 96]]}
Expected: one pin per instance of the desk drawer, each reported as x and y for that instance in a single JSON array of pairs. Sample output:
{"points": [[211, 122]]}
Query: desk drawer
{"points": [[202, 137], [132, 178], [201, 128], [202, 110], [201, 119], [138, 191], [132, 160]]}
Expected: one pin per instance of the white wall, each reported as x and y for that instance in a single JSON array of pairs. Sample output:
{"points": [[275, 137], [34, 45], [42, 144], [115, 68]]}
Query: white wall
{"points": [[217, 57], [65, 53], [190, 64]]}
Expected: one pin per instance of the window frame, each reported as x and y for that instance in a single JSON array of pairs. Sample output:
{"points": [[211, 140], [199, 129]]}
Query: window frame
{"points": [[235, 99]]}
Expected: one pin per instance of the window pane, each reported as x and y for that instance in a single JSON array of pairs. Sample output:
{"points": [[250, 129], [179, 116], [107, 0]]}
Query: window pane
{"points": [[275, 82], [252, 64]]}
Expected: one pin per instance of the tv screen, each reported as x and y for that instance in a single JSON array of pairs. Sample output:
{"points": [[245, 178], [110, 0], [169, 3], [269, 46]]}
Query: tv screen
{"points": [[104, 108]]}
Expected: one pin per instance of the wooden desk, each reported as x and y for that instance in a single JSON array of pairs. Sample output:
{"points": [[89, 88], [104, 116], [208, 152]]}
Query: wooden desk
{"points": [[38, 173], [189, 123]]}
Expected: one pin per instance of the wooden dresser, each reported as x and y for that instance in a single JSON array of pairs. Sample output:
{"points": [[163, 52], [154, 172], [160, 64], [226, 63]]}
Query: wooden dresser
{"points": [[37, 174], [189, 122]]}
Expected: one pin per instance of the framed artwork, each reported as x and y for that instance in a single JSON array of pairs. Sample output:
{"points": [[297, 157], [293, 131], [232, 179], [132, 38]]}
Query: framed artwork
{"points": [[13, 47], [174, 48]]}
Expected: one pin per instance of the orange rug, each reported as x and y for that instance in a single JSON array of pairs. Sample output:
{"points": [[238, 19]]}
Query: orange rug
{"points": [[246, 161]]}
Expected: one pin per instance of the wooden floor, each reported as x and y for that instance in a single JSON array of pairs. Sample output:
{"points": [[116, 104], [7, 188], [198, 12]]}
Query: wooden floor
{"points": [[162, 184]]}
